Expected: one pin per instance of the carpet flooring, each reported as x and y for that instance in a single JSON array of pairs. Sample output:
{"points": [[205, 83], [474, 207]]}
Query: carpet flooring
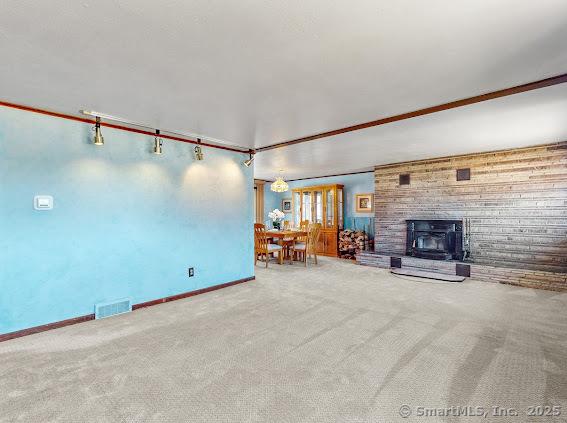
{"points": [[335, 342]]}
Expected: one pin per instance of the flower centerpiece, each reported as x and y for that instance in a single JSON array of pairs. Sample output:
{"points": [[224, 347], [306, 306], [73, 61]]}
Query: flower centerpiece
{"points": [[276, 216]]}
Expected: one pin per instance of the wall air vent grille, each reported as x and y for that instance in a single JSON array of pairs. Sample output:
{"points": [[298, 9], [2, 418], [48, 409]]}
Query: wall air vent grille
{"points": [[464, 174], [405, 179], [112, 308]]}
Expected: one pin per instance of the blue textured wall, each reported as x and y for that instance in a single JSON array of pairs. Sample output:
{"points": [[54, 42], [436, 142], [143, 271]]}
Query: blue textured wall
{"points": [[360, 183], [272, 200], [126, 223]]}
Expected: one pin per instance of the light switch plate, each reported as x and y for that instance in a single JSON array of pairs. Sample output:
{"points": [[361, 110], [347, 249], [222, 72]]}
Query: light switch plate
{"points": [[43, 202]]}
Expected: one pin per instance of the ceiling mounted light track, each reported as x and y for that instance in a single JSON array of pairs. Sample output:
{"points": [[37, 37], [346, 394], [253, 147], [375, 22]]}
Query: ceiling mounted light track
{"points": [[249, 161], [158, 142], [98, 138], [174, 135]]}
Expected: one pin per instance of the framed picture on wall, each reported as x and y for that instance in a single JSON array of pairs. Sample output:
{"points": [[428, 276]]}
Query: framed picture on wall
{"points": [[364, 203], [286, 205]]}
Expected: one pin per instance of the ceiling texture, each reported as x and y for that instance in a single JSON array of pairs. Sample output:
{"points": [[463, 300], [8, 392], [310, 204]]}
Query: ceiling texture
{"points": [[256, 72]]}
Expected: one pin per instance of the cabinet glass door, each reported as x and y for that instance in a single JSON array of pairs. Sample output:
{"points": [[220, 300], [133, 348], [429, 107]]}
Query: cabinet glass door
{"points": [[329, 208], [306, 206], [317, 206], [340, 208], [296, 208]]}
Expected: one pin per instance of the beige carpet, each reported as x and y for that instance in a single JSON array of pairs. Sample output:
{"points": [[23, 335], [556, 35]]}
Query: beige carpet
{"points": [[333, 343]]}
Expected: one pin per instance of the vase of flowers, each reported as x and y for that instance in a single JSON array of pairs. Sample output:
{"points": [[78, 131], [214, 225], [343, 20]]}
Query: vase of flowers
{"points": [[277, 216]]}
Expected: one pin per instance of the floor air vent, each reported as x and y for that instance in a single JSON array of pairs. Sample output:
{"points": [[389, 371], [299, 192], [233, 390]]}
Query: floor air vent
{"points": [[112, 308]]}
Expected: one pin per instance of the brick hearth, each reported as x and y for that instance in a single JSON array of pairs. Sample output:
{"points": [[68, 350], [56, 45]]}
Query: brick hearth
{"points": [[552, 281]]}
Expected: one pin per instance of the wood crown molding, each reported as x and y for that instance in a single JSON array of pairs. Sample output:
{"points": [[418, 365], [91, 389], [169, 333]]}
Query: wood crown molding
{"points": [[548, 82], [122, 127], [330, 176]]}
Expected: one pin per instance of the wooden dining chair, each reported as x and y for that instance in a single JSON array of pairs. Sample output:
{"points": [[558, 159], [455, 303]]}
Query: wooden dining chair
{"points": [[303, 227], [304, 249], [287, 244], [262, 247]]}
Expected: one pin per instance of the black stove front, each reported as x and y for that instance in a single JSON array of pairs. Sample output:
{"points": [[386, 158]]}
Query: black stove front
{"points": [[435, 239]]}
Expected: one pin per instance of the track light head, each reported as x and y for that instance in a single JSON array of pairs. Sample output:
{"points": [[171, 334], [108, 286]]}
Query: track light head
{"points": [[199, 152], [249, 161], [98, 138], [158, 142]]}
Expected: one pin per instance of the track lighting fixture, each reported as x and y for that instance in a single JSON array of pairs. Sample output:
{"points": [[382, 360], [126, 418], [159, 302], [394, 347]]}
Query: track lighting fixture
{"points": [[158, 142], [249, 161], [199, 151], [186, 135], [98, 139], [172, 135]]}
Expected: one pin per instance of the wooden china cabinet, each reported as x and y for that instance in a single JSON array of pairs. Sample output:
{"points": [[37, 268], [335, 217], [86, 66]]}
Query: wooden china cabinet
{"points": [[321, 204]]}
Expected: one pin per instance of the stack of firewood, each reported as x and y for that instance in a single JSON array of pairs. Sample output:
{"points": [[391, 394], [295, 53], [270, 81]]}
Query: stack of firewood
{"points": [[352, 242]]}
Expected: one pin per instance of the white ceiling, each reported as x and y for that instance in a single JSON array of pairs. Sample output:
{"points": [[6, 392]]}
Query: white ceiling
{"points": [[526, 119], [257, 72]]}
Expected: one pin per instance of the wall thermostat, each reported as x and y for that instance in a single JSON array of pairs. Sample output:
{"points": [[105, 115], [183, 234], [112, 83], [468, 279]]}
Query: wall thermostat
{"points": [[43, 202]]}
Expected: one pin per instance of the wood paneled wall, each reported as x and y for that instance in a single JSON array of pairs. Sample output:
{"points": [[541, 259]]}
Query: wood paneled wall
{"points": [[516, 200]]}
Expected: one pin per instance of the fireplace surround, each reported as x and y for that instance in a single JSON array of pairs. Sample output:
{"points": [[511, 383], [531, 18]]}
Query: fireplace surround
{"points": [[435, 239], [514, 201]]}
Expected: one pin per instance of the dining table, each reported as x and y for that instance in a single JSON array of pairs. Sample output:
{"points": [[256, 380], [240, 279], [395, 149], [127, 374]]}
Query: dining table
{"points": [[281, 234]]}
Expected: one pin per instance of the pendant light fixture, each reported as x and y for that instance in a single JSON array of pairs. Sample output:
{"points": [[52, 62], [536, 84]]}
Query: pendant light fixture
{"points": [[98, 139], [199, 151], [158, 142], [249, 161], [279, 185]]}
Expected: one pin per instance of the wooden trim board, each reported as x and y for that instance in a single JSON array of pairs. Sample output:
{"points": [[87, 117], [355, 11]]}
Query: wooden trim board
{"points": [[530, 86], [120, 127], [190, 293], [86, 318]]}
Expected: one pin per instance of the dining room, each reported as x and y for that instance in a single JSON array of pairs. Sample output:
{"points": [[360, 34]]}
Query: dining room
{"points": [[308, 224]]}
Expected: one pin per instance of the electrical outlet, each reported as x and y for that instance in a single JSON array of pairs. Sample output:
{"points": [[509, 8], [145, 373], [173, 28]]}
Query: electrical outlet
{"points": [[191, 272]]}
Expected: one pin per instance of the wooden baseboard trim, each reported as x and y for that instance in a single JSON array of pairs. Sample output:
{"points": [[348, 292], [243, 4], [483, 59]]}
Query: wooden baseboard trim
{"points": [[43, 328], [86, 318], [190, 293]]}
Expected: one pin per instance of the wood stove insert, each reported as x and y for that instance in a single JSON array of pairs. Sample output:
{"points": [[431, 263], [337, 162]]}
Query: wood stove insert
{"points": [[435, 239]]}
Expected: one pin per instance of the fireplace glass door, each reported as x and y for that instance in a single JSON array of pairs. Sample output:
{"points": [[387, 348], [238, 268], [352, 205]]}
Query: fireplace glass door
{"points": [[431, 242]]}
